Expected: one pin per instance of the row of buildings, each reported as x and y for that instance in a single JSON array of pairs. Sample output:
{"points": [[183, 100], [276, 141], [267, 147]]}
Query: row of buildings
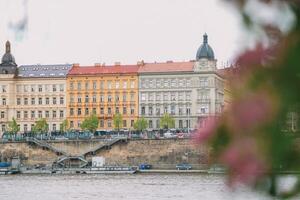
{"points": [[188, 91]]}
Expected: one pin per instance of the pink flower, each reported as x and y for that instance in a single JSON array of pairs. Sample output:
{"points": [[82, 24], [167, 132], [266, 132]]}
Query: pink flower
{"points": [[252, 111], [207, 131], [244, 162]]}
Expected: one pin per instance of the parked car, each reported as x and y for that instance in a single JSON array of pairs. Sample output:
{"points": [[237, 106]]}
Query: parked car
{"points": [[145, 166], [183, 166], [170, 135]]}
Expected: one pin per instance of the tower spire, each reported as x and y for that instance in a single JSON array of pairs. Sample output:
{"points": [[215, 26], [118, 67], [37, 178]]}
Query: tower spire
{"points": [[7, 47], [205, 39]]}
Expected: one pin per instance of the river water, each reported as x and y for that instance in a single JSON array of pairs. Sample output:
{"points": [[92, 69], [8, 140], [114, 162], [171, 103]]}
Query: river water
{"points": [[124, 187]]}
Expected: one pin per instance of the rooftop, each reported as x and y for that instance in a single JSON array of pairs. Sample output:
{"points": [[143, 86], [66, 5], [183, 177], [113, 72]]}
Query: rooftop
{"points": [[167, 67], [44, 71]]}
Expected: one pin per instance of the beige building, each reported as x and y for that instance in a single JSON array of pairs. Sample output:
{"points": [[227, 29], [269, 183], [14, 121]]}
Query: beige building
{"points": [[31, 92]]}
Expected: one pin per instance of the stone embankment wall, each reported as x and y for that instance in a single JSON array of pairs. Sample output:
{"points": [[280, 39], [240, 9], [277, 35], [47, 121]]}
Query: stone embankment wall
{"points": [[163, 154]]}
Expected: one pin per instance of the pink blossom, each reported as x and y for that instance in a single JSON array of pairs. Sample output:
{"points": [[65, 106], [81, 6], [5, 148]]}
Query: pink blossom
{"points": [[207, 131], [252, 111], [244, 162]]}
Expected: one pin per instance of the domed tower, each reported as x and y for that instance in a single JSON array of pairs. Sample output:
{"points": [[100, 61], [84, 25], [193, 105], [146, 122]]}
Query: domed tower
{"points": [[205, 58], [8, 64]]}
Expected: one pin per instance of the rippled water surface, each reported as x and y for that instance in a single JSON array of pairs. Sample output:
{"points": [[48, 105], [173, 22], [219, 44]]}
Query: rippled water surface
{"points": [[131, 187]]}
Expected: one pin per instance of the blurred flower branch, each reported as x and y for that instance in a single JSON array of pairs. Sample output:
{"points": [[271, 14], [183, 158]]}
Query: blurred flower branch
{"points": [[257, 137]]}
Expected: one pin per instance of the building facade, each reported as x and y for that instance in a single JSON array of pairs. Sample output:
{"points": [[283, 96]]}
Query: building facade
{"points": [[188, 91], [103, 91], [31, 92]]}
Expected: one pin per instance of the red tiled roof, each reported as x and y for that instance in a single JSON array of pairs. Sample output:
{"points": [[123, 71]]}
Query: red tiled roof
{"points": [[166, 67], [122, 69]]}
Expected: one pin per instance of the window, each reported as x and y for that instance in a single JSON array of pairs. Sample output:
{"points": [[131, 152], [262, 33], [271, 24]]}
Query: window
{"points": [[188, 82], [109, 98], [166, 83], [101, 110], [40, 114], [86, 111], [54, 127], [94, 85], [150, 111], [101, 123], [25, 114], [86, 85], [79, 98], [132, 110], [86, 98], [143, 97], [71, 111], [124, 110], [61, 113], [151, 97], [117, 98], [117, 84], [188, 111], [18, 101], [71, 86], [25, 127], [157, 111], [94, 111], [61, 87], [151, 83], [109, 111], [150, 124], [94, 98], [2, 114], [180, 96], [101, 98], [47, 114], [19, 88], [25, 101], [47, 88], [3, 101], [131, 123], [32, 88], [78, 85], [109, 123], [109, 84], [180, 110], [18, 114], [124, 84], [32, 101], [79, 111], [40, 101], [173, 83], [188, 96], [101, 84], [54, 88], [54, 100], [117, 110], [132, 97], [132, 84], [32, 114], [172, 109], [124, 97], [40, 88], [165, 109], [180, 124], [158, 83], [143, 110], [71, 124], [203, 82], [53, 114], [47, 101], [157, 124], [173, 96], [61, 100], [124, 123], [3, 88]]}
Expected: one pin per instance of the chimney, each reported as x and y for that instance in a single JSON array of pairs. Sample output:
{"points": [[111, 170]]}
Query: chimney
{"points": [[75, 64], [141, 63], [117, 63], [98, 65]]}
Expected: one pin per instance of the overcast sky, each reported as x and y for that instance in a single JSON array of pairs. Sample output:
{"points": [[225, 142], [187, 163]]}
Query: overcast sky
{"points": [[97, 31]]}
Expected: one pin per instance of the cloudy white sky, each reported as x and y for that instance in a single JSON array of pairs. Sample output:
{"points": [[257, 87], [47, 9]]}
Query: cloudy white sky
{"points": [[97, 31]]}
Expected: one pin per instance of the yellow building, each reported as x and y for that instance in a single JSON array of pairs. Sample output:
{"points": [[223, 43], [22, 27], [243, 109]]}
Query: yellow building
{"points": [[103, 91]]}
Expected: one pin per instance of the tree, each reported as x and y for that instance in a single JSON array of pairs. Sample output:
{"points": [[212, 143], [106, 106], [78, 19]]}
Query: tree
{"points": [[64, 126], [90, 123], [166, 121], [41, 126], [13, 127], [140, 124], [117, 120]]}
